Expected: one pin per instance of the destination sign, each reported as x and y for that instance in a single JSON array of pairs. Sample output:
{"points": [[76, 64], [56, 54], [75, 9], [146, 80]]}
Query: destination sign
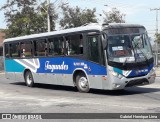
{"points": [[123, 30]]}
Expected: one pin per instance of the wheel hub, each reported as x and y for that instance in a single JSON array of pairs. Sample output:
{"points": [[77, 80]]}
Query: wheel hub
{"points": [[83, 82], [29, 79]]}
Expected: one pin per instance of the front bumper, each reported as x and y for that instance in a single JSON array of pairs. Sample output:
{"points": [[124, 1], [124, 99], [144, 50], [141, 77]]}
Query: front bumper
{"points": [[129, 82]]}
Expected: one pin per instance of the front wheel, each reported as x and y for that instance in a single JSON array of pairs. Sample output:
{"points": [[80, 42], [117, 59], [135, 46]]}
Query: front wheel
{"points": [[29, 79], [82, 83]]}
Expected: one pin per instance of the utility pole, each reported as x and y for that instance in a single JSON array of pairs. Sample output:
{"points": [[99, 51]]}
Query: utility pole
{"points": [[48, 16], [156, 44]]}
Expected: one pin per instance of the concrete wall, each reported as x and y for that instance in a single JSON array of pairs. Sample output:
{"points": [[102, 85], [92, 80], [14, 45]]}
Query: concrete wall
{"points": [[2, 36], [1, 63]]}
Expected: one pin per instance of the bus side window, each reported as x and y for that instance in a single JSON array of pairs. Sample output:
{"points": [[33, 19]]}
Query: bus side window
{"points": [[56, 46], [7, 51], [40, 48], [26, 49], [93, 52], [74, 44], [15, 50]]}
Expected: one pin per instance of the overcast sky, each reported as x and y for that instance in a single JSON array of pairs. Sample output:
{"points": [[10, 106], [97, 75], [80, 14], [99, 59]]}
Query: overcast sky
{"points": [[136, 11]]}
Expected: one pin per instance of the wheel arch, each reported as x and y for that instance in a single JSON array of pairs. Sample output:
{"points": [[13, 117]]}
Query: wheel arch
{"points": [[24, 72], [76, 72]]}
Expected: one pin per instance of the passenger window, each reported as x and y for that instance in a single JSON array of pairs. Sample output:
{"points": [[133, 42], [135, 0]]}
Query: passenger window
{"points": [[15, 50], [1, 51], [7, 51], [74, 44], [26, 49], [56, 46], [40, 48], [93, 52]]}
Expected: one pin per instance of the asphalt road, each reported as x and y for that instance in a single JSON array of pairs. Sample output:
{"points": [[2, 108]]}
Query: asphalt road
{"points": [[15, 97]]}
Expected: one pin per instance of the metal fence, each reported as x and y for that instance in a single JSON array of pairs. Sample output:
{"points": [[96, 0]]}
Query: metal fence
{"points": [[158, 59], [158, 54]]}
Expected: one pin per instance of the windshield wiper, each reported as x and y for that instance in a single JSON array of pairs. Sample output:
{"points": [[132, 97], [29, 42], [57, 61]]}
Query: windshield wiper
{"points": [[145, 57], [124, 63]]}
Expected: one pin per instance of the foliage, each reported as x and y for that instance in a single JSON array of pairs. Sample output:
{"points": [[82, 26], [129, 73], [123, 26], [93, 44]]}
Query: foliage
{"points": [[75, 17], [53, 16], [114, 16], [158, 38], [25, 17]]}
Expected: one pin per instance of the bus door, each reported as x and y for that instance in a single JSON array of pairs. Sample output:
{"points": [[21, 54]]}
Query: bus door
{"points": [[94, 61]]}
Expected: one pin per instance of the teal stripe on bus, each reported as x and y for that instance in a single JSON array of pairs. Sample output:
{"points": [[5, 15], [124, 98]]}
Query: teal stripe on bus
{"points": [[13, 66]]}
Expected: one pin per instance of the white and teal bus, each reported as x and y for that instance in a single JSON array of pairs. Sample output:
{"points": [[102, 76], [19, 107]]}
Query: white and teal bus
{"points": [[109, 57]]}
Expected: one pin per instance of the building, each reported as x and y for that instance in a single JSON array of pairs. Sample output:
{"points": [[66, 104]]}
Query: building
{"points": [[2, 36]]}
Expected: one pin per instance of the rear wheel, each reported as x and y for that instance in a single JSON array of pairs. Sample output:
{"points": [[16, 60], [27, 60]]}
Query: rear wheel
{"points": [[29, 79], [82, 83]]}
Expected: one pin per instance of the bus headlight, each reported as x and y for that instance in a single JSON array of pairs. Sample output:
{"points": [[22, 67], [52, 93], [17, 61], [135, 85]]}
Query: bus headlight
{"points": [[152, 72], [117, 75]]}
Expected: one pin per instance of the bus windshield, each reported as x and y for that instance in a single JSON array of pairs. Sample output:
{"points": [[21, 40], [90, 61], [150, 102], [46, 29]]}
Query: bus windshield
{"points": [[128, 48]]}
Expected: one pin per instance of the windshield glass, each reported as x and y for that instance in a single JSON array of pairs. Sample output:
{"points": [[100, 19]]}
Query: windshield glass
{"points": [[128, 48], [120, 48], [141, 47]]}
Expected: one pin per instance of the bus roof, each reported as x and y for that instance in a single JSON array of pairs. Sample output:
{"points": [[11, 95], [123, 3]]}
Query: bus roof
{"points": [[92, 26], [122, 25]]}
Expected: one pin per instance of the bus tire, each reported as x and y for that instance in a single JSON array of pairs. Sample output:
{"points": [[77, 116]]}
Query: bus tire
{"points": [[82, 83], [29, 79]]}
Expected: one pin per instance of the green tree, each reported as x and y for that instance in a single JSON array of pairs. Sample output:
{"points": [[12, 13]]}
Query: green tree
{"points": [[75, 17], [114, 16], [25, 17], [158, 38], [53, 15]]}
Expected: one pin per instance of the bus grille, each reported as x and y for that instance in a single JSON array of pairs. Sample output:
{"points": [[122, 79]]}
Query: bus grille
{"points": [[137, 82], [136, 76]]}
